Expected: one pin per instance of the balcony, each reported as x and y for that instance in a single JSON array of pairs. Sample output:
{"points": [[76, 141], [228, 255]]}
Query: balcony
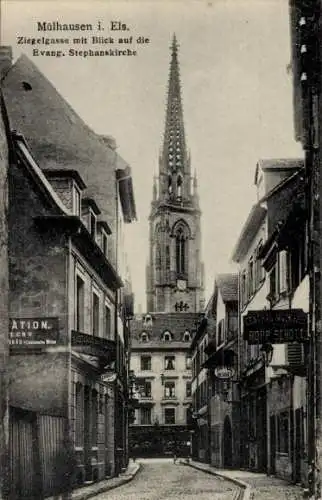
{"points": [[102, 349]]}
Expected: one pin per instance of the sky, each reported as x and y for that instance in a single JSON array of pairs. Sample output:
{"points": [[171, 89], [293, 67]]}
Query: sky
{"points": [[236, 89]]}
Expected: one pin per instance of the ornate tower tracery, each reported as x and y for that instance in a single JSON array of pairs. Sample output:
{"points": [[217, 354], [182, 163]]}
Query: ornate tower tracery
{"points": [[174, 272]]}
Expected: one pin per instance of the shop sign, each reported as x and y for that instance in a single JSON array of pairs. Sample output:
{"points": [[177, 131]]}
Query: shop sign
{"points": [[224, 373], [33, 332], [276, 326]]}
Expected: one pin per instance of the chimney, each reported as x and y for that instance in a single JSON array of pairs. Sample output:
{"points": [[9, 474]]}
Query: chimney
{"points": [[5, 60]]}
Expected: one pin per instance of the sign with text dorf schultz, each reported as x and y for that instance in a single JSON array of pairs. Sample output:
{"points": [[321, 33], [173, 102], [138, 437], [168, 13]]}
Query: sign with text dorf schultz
{"points": [[29, 333], [276, 326]]}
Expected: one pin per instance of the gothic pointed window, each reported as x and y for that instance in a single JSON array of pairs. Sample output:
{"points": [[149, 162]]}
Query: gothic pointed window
{"points": [[167, 256], [179, 186], [180, 251], [169, 184], [157, 256]]}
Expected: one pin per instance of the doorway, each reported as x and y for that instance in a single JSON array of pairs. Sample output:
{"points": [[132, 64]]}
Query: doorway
{"points": [[227, 444]]}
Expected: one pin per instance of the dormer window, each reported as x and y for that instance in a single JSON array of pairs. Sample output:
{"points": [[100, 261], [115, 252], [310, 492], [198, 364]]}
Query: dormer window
{"points": [[148, 320], [92, 224], [90, 211], [76, 200], [166, 336], [186, 336], [104, 243], [103, 230], [144, 337]]}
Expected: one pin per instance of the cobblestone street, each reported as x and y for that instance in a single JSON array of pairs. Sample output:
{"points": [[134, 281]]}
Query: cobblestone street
{"points": [[162, 480]]}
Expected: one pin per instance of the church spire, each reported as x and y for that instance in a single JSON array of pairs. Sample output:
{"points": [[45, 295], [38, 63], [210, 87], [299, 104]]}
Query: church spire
{"points": [[174, 155]]}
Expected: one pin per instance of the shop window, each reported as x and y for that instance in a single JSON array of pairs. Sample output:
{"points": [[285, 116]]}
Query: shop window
{"points": [[169, 362], [145, 363], [94, 408], [169, 416], [79, 412], [283, 432]]}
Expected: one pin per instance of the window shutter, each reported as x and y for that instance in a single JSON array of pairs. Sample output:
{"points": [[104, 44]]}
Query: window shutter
{"points": [[283, 271], [295, 355]]}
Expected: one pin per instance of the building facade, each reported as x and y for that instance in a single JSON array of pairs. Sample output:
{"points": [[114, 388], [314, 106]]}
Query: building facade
{"points": [[222, 351], [68, 193], [272, 282], [161, 339]]}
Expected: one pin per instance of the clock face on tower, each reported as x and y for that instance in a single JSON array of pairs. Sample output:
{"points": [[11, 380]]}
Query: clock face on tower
{"points": [[181, 285]]}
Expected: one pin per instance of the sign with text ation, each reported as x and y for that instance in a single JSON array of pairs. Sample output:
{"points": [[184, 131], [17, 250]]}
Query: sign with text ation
{"points": [[278, 326], [33, 332]]}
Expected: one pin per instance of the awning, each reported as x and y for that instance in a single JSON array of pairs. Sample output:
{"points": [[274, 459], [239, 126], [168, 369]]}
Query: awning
{"points": [[126, 193]]}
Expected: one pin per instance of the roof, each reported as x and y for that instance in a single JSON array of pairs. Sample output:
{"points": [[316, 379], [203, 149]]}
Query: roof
{"points": [[258, 212], [62, 173], [278, 164], [176, 323], [58, 138], [228, 286]]}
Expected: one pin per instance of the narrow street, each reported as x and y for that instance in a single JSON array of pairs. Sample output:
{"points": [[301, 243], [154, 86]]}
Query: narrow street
{"points": [[160, 479]]}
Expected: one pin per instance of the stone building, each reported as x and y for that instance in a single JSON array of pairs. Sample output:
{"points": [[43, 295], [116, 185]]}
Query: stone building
{"points": [[273, 284], [222, 366], [161, 338], [68, 193]]}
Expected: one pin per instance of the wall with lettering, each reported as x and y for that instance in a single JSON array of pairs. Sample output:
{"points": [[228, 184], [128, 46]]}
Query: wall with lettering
{"points": [[38, 290]]}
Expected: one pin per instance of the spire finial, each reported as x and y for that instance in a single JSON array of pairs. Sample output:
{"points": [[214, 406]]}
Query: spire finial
{"points": [[174, 46]]}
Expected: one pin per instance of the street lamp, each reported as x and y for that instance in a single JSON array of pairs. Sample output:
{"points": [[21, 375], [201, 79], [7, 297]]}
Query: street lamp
{"points": [[267, 351]]}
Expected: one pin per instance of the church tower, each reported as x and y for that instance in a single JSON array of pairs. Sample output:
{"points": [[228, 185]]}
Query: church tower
{"points": [[175, 271]]}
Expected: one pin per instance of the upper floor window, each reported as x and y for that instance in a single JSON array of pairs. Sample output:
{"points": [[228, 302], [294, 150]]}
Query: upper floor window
{"points": [[169, 415], [169, 362], [221, 331], [250, 278], [95, 313], [188, 362], [188, 389], [145, 363], [145, 388], [169, 389], [146, 413], [107, 322], [80, 303]]}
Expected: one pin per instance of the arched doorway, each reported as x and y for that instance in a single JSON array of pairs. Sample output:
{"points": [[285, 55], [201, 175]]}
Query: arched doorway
{"points": [[227, 444]]}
